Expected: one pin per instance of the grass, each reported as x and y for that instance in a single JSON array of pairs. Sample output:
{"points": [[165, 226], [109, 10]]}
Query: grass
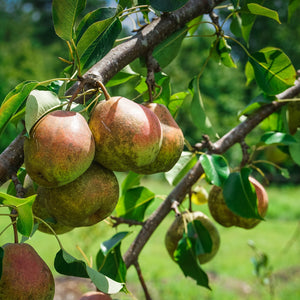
{"points": [[230, 272]]}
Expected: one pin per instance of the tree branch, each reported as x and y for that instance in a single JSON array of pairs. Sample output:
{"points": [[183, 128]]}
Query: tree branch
{"points": [[120, 56], [234, 136]]}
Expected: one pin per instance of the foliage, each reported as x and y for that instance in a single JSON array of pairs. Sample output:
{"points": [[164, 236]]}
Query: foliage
{"points": [[89, 37]]}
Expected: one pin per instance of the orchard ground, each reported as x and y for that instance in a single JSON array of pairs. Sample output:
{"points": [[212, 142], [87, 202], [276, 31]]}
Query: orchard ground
{"points": [[231, 271]]}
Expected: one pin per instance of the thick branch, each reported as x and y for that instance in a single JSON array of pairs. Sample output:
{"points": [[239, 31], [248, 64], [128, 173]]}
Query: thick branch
{"points": [[236, 135], [116, 60], [145, 40]]}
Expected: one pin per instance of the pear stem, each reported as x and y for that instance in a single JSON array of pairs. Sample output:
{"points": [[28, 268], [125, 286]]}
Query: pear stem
{"points": [[104, 90]]}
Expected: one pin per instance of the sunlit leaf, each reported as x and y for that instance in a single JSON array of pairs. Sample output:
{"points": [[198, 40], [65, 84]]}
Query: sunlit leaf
{"points": [[277, 138], [37, 105], [13, 101], [257, 9], [130, 181], [176, 100], [66, 264], [183, 165], [240, 195], [24, 209], [215, 167], [224, 50], [134, 202], [64, 14], [273, 70], [123, 76]]}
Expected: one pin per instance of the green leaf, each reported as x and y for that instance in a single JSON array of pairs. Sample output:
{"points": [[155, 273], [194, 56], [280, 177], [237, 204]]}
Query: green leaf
{"points": [[215, 167], [293, 5], [38, 104], [109, 259], [123, 76], [247, 22], [131, 180], [197, 110], [224, 50], [273, 70], [134, 202], [100, 14], [240, 195], [175, 102], [64, 14], [66, 264], [194, 25], [187, 260], [167, 5], [24, 209], [97, 40], [183, 165], [277, 138], [294, 149], [13, 101], [257, 9], [167, 50]]}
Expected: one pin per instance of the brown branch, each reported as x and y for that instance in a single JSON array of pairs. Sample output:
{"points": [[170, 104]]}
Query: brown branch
{"points": [[236, 135], [119, 220]]}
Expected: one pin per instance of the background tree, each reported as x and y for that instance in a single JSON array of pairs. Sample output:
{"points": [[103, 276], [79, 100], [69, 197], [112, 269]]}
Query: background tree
{"points": [[197, 96]]}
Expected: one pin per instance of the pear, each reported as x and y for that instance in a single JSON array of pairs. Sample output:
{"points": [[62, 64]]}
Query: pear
{"points": [[177, 228], [85, 201], [59, 149], [128, 135], [25, 275], [225, 217], [172, 142]]}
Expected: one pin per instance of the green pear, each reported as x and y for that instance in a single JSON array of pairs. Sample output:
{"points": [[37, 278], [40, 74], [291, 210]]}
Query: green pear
{"points": [[127, 134], [25, 275], [85, 201], [178, 227], [172, 142], [59, 149], [225, 217]]}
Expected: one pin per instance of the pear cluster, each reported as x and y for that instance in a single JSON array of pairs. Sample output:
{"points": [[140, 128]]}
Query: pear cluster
{"points": [[73, 161]]}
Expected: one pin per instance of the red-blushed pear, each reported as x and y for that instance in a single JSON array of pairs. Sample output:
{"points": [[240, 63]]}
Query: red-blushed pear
{"points": [[85, 201], [39, 210], [178, 227], [225, 217], [59, 149], [128, 135], [25, 275], [95, 296], [172, 141]]}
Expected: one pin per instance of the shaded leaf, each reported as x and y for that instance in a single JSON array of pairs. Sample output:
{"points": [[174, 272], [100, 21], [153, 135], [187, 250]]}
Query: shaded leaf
{"points": [[186, 161], [13, 101], [24, 209], [187, 260], [240, 195], [38, 104], [277, 138], [294, 149], [294, 116], [109, 259], [224, 50], [293, 5], [130, 181], [168, 49], [123, 76], [97, 40], [167, 5], [197, 110], [215, 167], [64, 14], [66, 264], [273, 70], [134, 202]]}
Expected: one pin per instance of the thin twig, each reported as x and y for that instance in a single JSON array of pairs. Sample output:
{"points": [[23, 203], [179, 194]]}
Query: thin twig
{"points": [[119, 220], [142, 281]]}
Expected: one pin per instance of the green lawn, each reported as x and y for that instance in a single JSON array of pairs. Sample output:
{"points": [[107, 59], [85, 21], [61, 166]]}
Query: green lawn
{"points": [[231, 271]]}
